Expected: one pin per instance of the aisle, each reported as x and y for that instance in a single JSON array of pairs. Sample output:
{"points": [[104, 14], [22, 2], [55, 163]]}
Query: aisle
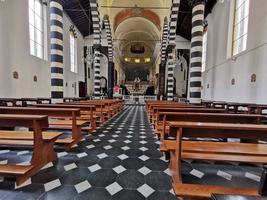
{"points": [[120, 161]]}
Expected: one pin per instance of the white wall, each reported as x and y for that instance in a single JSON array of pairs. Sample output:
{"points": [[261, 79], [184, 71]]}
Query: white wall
{"points": [[180, 78], [15, 55], [72, 78], [220, 69]]}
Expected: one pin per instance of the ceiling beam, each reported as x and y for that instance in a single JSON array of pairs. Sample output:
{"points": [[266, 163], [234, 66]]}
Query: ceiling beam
{"points": [[83, 9]]}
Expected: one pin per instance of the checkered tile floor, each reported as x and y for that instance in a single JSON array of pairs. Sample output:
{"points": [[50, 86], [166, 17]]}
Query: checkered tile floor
{"points": [[119, 161]]}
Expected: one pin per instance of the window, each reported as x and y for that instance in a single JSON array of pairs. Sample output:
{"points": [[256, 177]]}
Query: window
{"points": [[240, 26], [73, 53], [37, 24], [204, 49], [89, 73]]}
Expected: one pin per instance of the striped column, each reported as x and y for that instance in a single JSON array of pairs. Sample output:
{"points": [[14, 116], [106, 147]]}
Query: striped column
{"points": [[109, 38], [170, 79], [97, 45], [171, 55], [97, 70], [164, 40], [196, 52], [173, 20], [56, 41]]}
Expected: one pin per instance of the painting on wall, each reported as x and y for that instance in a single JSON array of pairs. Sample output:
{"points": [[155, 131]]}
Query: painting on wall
{"points": [[15, 75], [253, 78]]}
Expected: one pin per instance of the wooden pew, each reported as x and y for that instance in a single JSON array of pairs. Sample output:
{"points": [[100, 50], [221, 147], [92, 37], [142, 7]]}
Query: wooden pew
{"points": [[238, 107], [105, 109], [73, 124], [10, 102], [257, 108], [31, 101], [86, 113], [157, 110], [168, 117], [214, 151], [151, 112], [42, 142]]}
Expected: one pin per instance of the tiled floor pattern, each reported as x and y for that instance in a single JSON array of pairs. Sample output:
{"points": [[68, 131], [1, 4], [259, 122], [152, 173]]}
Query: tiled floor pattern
{"points": [[119, 161]]}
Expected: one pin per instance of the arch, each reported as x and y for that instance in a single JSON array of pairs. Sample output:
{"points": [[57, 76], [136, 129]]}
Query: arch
{"points": [[136, 12]]}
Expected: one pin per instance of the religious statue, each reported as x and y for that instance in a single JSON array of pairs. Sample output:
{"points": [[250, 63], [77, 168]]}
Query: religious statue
{"points": [[136, 83]]}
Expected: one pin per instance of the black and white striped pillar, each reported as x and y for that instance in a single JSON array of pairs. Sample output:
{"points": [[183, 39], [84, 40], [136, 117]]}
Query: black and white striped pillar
{"points": [[170, 71], [162, 66], [97, 45], [171, 54], [56, 41], [173, 20], [196, 52], [109, 38], [164, 40], [110, 57]]}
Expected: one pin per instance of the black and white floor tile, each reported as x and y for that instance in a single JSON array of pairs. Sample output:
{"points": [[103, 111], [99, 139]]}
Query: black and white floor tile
{"points": [[119, 161]]}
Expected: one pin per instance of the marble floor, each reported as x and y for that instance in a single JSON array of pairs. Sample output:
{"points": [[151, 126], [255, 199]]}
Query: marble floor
{"points": [[119, 161]]}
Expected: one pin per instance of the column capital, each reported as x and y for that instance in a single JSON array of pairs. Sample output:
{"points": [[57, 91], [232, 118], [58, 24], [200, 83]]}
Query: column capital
{"points": [[106, 17], [58, 1], [170, 48]]}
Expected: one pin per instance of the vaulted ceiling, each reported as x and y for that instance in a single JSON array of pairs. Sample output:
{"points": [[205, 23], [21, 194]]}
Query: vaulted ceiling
{"points": [[79, 12]]}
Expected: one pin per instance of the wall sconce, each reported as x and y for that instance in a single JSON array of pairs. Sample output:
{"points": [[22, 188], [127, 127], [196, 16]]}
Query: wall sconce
{"points": [[147, 60], [137, 60]]}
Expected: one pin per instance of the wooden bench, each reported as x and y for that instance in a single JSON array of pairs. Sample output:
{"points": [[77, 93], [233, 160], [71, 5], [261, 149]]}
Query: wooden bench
{"points": [[163, 118], [257, 108], [10, 102], [190, 109], [30, 101], [86, 113], [238, 107], [42, 142], [151, 112], [104, 109], [214, 151], [73, 124]]}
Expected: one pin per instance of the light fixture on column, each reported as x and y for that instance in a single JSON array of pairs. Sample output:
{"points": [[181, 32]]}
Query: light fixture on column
{"points": [[89, 55], [89, 58]]}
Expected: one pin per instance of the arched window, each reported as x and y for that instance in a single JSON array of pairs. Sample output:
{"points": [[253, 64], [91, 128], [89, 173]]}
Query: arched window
{"points": [[240, 31], [37, 28], [73, 53]]}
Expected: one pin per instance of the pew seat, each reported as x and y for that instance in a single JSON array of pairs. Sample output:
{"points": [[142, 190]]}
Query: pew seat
{"points": [[194, 190], [15, 170], [26, 135], [223, 151]]}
